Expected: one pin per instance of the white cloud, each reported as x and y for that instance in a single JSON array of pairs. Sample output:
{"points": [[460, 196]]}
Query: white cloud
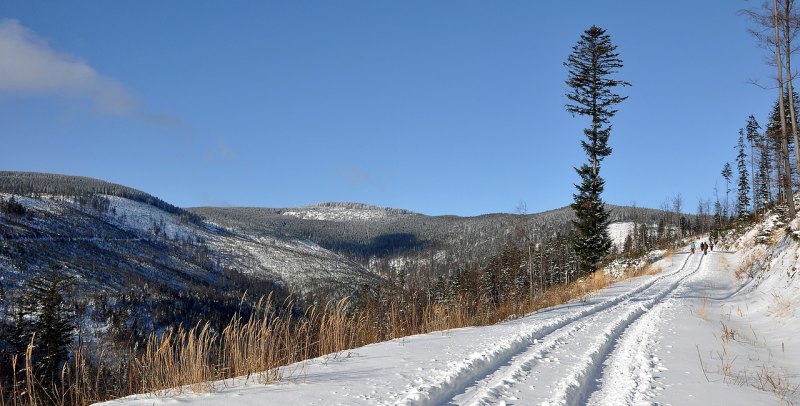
{"points": [[29, 66]]}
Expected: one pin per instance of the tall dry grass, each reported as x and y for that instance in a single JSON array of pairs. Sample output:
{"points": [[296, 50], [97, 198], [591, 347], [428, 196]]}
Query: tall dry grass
{"points": [[746, 268], [263, 346]]}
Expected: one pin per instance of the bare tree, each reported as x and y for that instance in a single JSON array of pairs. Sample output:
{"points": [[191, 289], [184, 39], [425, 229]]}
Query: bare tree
{"points": [[677, 205], [787, 169], [771, 33]]}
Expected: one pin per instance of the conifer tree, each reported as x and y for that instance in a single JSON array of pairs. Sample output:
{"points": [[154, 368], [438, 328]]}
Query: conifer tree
{"points": [[44, 302], [743, 199], [764, 168], [782, 144], [753, 138], [727, 174], [591, 65]]}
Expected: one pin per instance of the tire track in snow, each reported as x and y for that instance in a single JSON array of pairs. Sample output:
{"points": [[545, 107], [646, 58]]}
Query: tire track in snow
{"points": [[494, 389], [628, 371], [444, 386], [583, 380]]}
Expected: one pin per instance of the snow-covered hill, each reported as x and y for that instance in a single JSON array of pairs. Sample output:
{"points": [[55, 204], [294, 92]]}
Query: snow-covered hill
{"points": [[713, 329], [146, 242]]}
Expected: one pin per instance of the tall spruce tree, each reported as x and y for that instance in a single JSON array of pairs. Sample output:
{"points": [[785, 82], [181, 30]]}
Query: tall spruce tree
{"points": [[743, 197], [753, 138], [591, 65]]}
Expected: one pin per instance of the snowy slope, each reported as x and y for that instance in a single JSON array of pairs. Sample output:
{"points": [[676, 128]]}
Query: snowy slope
{"points": [[692, 335], [619, 231], [299, 265]]}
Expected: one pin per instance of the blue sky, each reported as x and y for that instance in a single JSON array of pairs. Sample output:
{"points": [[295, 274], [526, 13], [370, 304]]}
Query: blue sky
{"points": [[446, 107]]}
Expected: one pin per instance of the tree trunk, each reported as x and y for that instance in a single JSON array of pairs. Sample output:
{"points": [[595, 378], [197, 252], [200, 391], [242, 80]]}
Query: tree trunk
{"points": [[530, 270], [753, 177], [787, 170], [765, 155], [787, 27]]}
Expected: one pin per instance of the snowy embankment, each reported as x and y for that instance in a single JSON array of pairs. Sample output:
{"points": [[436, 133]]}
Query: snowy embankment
{"points": [[693, 335]]}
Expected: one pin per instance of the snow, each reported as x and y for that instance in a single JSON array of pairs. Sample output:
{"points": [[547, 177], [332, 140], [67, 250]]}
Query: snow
{"points": [[344, 212], [300, 265], [619, 231], [31, 203], [693, 335], [297, 263], [144, 218]]}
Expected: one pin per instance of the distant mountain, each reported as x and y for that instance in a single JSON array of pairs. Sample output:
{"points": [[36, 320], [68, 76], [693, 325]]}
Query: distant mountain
{"points": [[113, 238], [386, 240], [37, 184]]}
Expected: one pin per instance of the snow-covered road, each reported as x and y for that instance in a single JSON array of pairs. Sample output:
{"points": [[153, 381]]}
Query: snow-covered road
{"points": [[625, 345], [609, 343]]}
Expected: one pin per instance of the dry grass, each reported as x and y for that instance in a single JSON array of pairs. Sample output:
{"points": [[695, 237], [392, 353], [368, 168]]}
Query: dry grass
{"points": [[778, 233], [647, 269], [783, 307], [728, 334], [723, 261], [747, 265], [702, 311], [726, 362], [765, 377], [775, 381]]}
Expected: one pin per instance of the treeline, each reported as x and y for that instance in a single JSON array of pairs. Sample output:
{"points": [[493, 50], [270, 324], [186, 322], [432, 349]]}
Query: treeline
{"points": [[434, 244], [765, 172], [359, 206]]}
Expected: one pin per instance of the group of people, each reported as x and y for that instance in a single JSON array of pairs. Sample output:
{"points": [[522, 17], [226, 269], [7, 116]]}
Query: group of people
{"points": [[704, 246]]}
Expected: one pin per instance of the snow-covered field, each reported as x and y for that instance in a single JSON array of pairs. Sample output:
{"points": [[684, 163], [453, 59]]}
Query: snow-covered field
{"points": [[692, 335]]}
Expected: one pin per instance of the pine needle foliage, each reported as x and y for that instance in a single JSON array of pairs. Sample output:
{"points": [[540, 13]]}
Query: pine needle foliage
{"points": [[743, 199], [591, 65], [727, 174]]}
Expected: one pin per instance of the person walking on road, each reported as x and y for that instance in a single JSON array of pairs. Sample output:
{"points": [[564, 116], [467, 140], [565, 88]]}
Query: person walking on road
{"points": [[692, 247]]}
